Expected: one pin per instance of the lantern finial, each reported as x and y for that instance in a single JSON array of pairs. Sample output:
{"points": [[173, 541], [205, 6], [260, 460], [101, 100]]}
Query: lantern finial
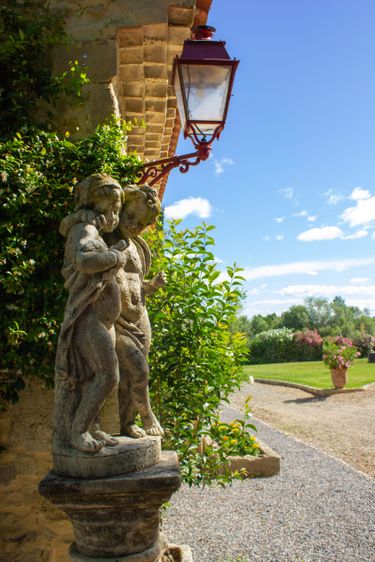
{"points": [[203, 32]]}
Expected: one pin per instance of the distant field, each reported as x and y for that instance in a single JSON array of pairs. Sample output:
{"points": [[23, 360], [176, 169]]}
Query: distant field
{"points": [[313, 373]]}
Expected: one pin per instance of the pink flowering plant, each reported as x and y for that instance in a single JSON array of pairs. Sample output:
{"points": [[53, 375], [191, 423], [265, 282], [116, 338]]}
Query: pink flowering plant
{"points": [[339, 353]]}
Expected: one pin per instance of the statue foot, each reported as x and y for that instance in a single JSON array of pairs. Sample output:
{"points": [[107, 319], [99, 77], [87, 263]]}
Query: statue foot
{"points": [[106, 439], [85, 442], [154, 428], [133, 431]]}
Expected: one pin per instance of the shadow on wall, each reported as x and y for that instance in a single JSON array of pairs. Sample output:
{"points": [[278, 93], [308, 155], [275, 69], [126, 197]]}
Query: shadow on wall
{"points": [[32, 530]]}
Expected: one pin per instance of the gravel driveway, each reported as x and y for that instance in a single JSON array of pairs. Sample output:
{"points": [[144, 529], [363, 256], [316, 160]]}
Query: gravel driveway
{"points": [[317, 509], [341, 424]]}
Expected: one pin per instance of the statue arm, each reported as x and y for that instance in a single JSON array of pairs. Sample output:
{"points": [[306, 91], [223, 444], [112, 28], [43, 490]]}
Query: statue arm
{"points": [[151, 286], [93, 255], [82, 215]]}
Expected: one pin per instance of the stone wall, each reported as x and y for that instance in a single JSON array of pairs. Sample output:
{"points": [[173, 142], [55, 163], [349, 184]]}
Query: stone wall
{"points": [[32, 530], [127, 48]]}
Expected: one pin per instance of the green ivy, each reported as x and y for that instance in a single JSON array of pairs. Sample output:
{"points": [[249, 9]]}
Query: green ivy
{"points": [[28, 34], [37, 173]]}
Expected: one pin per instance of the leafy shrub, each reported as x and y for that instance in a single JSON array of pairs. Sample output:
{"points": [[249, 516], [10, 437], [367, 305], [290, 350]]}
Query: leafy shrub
{"points": [[273, 346], [282, 345], [364, 343], [236, 437], [195, 360], [309, 345], [37, 174]]}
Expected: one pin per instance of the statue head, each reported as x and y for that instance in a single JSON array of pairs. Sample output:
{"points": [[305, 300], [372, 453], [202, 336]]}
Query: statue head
{"points": [[140, 209], [103, 194]]}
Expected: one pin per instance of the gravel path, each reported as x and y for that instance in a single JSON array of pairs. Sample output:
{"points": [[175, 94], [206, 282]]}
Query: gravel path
{"points": [[342, 425], [317, 509]]}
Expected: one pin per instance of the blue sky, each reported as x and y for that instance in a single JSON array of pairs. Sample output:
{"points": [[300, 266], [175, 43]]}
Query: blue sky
{"points": [[291, 183]]}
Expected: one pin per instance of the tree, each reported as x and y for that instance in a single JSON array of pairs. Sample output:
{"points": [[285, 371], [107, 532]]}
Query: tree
{"points": [[296, 317]]}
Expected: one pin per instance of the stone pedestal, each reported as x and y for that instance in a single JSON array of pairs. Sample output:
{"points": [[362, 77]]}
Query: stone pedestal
{"points": [[116, 517]]}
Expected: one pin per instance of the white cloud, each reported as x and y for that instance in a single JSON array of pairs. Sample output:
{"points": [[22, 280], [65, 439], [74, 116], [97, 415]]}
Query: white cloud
{"points": [[303, 268], [312, 218], [333, 197], [267, 306], [221, 164], [328, 290], [360, 193], [218, 260], [359, 280], [356, 235], [363, 213], [329, 233], [190, 206], [322, 233], [279, 236], [266, 237], [279, 219], [300, 214], [287, 192]]}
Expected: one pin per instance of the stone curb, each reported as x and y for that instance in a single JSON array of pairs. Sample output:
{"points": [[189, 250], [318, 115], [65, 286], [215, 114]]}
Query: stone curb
{"points": [[312, 389], [264, 466]]}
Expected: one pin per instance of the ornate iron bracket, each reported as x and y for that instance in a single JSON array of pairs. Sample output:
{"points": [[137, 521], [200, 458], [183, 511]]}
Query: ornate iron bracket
{"points": [[152, 172]]}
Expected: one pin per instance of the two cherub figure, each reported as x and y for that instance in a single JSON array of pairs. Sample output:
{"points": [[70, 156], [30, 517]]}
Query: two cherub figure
{"points": [[105, 335]]}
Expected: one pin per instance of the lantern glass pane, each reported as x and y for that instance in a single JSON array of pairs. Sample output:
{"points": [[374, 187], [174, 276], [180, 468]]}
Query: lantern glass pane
{"points": [[206, 89], [180, 102]]}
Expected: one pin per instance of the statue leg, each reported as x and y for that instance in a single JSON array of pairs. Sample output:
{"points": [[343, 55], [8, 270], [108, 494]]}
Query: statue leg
{"points": [[67, 399], [97, 347], [133, 387], [127, 409]]}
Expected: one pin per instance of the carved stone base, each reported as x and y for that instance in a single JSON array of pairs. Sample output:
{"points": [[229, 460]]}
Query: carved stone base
{"points": [[116, 517], [179, 553], [129, 455]]}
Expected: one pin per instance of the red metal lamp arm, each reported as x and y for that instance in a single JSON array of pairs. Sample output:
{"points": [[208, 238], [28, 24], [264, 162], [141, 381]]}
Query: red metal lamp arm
{"points": [[152, 172]]}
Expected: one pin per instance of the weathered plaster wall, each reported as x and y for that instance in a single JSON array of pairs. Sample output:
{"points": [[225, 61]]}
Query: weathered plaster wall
{"points": [[32, 530]]}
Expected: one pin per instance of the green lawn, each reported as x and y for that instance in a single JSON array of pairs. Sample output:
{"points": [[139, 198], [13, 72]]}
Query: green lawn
{"points": [[313, 373]]}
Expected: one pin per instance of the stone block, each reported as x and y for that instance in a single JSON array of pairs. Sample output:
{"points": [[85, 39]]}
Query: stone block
{"points": [[131, 72], [155, 71], [155, 128], [156, 89], [130, 37], [131, 55], [134, 89], [266, 465], [179, 15], [155, 52], [178, 34], [137, 140], [156, 104], [152, 144], [153, 117], [134, 105], [156, 31]]}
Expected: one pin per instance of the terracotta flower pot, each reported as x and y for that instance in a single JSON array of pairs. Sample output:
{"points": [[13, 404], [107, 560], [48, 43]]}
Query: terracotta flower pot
{"points": [[339, 377]]}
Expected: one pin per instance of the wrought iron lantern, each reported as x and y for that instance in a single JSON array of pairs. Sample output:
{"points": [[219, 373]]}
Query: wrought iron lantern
{"points": [[203, 78]]}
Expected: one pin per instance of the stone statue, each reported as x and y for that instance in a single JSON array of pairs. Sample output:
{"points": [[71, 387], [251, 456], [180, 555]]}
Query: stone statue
{"points": [[111, 489], [105, 336], [133, 331], [86, 361]]}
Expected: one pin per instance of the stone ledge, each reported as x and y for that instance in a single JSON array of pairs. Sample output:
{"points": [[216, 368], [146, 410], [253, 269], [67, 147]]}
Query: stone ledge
{"points": [[130, 455], [312, 389], [265, 465]]}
